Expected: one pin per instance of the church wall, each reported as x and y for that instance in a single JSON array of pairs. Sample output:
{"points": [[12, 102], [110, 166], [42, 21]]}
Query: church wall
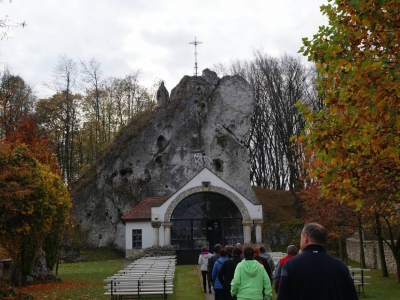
{"points": [[147, 233]]}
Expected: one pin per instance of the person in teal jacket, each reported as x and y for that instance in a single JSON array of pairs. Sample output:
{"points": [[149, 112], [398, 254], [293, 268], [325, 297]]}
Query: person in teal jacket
{"points": [[250, 279]]}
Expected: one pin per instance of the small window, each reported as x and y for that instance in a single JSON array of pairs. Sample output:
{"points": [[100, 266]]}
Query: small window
{"points": [[137, 239], [218, 165], [161, 142]]}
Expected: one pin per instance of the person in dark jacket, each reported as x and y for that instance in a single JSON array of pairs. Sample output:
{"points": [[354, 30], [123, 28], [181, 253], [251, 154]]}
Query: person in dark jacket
{"points": [[263, 261], [211, 262], [314, 274], [268, 257], [225, 275]]}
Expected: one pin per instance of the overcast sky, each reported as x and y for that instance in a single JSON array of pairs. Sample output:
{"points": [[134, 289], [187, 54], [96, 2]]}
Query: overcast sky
{"points": [[152, 36]]}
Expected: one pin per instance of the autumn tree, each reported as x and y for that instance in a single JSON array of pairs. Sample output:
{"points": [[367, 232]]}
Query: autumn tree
{"points": [[337, 217], [58, 118], [32, 199], [82, 127], [39, 148], [16, 99], [63, 81], [93, 86], [357, 134], [34, 202]]}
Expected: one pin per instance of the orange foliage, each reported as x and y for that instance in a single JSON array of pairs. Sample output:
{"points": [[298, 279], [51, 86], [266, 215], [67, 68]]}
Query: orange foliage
{"points": [[325, 210], [38, 146]]}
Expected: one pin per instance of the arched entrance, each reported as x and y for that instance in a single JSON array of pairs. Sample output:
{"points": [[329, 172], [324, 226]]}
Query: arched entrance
{"points": [[205, 219]]}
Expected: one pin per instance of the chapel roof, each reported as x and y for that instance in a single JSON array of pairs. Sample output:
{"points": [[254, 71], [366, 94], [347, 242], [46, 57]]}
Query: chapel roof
{"points": [[142, 211]]}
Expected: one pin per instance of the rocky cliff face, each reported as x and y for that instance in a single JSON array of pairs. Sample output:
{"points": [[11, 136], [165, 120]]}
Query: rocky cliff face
{"points": [[204, 125]]}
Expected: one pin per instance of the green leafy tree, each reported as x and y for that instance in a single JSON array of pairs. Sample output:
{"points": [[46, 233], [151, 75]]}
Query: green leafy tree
{"points": [[357, 134]]}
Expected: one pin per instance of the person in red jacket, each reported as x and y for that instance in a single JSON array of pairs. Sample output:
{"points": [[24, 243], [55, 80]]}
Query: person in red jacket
{"points": [[263, 261], [291, 252]]}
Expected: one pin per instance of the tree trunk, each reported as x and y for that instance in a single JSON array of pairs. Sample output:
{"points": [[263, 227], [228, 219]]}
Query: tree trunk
{"points": [[24, 278], [397, 258], [340, 241], [362, 254], [58, 262], [380, 246]]}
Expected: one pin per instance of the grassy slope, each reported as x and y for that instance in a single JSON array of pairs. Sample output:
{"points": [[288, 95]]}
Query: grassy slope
{"points": [[277, 205]]}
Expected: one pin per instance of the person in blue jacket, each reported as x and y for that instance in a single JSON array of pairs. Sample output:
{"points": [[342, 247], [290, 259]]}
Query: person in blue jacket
{"points": [[219, 293]]}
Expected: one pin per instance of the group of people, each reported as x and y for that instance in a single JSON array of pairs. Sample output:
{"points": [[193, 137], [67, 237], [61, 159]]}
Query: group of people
{"points": [[247, 273], [236, 273]]}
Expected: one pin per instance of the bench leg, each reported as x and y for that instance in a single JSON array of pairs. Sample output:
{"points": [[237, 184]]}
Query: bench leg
{"points": [[361, 290]]}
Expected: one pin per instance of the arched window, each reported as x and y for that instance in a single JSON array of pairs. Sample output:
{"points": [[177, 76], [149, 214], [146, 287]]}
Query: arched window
{"points": [[204, 219]]}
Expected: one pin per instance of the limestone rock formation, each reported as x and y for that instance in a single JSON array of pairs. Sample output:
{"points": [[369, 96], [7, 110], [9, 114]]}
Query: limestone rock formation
{"points": [[204, 125]]}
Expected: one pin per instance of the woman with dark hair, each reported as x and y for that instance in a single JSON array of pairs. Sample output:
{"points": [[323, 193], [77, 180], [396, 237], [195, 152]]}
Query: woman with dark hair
{"points": [[250, 279], [225, 274], [203, 262], [219, 292]]}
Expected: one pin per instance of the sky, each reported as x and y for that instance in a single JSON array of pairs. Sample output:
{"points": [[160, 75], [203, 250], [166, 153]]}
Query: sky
{"points": [[150, 36]]}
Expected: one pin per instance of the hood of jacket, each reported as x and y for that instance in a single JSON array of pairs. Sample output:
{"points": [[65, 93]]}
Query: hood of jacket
{"points": [[237, 259], [252, 267]]}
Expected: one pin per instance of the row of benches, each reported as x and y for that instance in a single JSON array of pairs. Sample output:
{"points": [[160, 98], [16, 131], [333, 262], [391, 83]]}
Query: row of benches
{"points": [[276, 256], [145, 278], [359, 277]]}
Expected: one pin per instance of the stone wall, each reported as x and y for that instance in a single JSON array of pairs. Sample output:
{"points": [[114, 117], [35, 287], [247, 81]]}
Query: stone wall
{"points": [[149, 252], [278, 235], [371, 252]]}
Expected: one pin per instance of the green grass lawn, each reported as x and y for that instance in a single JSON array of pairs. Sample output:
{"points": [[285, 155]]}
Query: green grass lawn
{"points": [[380, 287], [85, 281]]}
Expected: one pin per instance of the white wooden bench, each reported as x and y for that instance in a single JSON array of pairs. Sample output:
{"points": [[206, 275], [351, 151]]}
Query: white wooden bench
{"points": [[146, 277], [276, 256], [119, 288], [137, 277], [359, 279]]}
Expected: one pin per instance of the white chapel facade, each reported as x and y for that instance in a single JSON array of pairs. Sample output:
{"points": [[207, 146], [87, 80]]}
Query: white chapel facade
{"points": [[204, 212]]}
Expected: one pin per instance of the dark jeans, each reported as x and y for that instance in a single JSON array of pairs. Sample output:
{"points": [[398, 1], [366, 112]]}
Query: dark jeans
{"points": [[228, 296], [219, 294], [205, 281]]}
